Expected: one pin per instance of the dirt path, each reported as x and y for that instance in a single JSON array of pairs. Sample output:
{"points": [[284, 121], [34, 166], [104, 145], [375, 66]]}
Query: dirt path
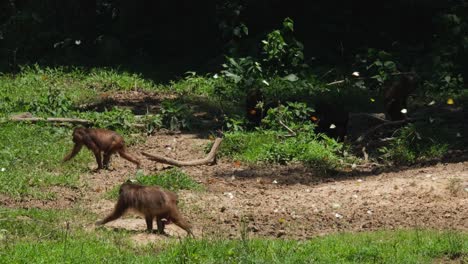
{"points": [[280, 201]]}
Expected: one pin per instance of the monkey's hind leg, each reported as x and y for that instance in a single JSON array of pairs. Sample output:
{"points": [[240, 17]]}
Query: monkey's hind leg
{"points": [[149, 223], [119, 210]]}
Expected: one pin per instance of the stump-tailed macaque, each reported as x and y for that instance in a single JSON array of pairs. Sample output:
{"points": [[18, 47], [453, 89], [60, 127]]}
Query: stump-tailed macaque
{"points": [[395, 95], [331, 120], [152, 202], [100, 140]]}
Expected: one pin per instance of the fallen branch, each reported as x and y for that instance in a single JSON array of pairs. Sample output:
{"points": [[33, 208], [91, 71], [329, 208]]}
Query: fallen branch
{"points": [[51, 120], [27, 117], [291, 132], [389, 123], [210, 159]]}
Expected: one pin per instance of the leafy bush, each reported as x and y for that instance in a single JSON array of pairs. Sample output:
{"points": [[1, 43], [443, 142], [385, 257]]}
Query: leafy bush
{"points": [[115, 119], [175, 115], [55, 103], [415, 143], [295, 115], [271, 147], [152, 123]]}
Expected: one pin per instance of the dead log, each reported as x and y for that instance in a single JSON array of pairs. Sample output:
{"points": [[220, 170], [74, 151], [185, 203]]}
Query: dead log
{"points": [[51, 120], [27, 117], [210, 159]]}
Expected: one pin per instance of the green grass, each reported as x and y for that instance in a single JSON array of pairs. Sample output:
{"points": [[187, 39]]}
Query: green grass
{"points": [[270, 147], [172, 179], [18, 91], [421, 142], [43, 236], [31, 157]]}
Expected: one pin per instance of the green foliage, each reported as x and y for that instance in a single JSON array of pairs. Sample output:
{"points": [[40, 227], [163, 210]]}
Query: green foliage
{"points": [[235, 124], [449, 56], [417, 143], [108, 79], [283, 53], [55, 103], [379, 64], [295, 115], [378, 247], [173, 179], [152, 123], [282, 58], [194, 84], [271, 147], [54, 91], [30, 159], [120, 119], [175, 115], [243, 71]]}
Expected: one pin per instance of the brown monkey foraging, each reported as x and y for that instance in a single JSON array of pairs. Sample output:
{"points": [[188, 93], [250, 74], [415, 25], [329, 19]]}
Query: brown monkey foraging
{"points": [[152, 202], [396, 94], [100, 140]]}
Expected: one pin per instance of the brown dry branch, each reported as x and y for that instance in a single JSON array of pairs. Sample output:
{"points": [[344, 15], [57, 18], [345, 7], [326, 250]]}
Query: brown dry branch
{"points": [[389, 123], [27, 117], [51, 120], [209, 159]]}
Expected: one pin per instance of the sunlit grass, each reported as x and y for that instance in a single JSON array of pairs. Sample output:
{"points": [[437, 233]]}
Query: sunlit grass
{"points": [[58, 236]]}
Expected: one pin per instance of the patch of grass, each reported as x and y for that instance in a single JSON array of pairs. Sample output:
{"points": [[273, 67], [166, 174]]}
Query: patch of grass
{"points": [[376, 247], [56, 236], [30, 158], [422, 142], [271, 147], [173, 179], [26, 224], [42, 236], [34, 83]]}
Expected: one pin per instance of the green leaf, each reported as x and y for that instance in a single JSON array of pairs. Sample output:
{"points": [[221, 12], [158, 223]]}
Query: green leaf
{"points": [[291, 77], [288, 23]]}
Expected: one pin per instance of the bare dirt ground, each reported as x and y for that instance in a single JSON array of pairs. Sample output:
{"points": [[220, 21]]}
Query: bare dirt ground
{"points": [[290, 201], [279, 201], [275, 201]]}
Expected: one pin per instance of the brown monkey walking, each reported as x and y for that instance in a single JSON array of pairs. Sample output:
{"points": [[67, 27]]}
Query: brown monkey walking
{"points": [[100, 140], [152, 202]]}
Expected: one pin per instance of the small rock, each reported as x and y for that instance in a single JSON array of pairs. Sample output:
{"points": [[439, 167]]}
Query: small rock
{"points": [[229, 194], [337, 215], [281, 233], [336, 205], [254, 229], [222, 209]]}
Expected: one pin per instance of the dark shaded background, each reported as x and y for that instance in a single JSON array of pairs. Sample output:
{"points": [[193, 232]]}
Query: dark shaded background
{"points": [[171, 37]]}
